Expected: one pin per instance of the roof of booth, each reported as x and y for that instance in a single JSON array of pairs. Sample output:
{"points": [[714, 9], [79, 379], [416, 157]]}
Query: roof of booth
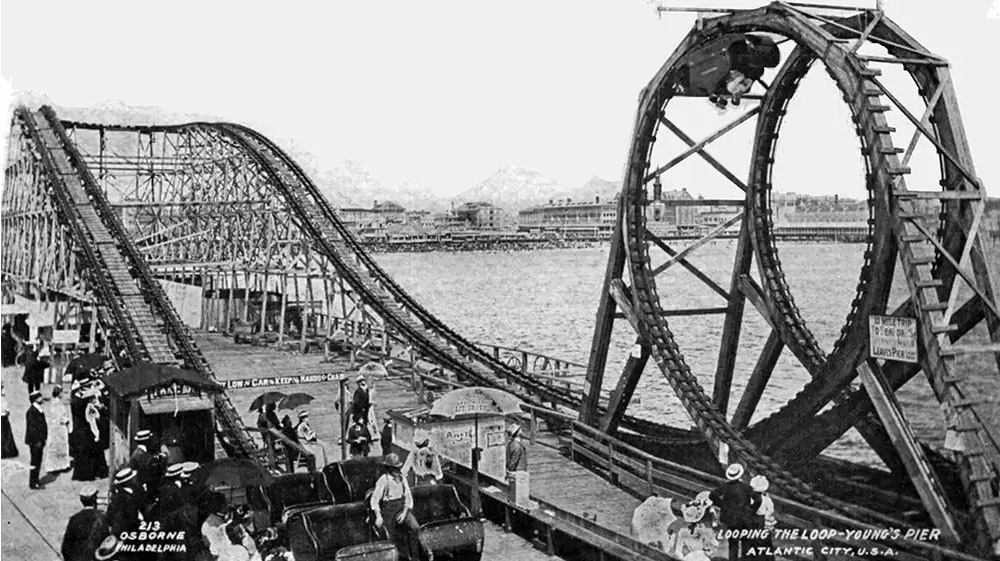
{"points": [[148, 376]]}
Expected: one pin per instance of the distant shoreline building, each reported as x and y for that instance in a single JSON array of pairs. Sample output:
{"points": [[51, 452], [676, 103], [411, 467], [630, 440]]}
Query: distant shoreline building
{"points": [[565, 217]]}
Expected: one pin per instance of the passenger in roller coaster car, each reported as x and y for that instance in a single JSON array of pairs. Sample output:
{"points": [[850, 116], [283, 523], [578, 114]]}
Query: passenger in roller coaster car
{"points": [[392, 505]]}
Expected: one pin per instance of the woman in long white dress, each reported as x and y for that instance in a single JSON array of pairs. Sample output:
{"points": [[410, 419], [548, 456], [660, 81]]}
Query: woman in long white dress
{"points": [[57, 447]]}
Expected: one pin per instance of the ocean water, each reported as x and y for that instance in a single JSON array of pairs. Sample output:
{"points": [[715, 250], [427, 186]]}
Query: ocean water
{"points": [[547, 301]]}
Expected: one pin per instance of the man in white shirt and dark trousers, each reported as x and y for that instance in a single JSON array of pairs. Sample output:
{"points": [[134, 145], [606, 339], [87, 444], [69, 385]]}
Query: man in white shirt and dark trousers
{"points": [[392, 504]]}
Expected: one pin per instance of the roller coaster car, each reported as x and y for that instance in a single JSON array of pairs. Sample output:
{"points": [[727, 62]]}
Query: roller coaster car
{"points": [[336, 531], [294, 489], [705, 70], [447, 529], [350, 480]]}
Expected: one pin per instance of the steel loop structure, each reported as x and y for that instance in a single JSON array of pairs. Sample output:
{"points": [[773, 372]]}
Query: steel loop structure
{"points": [[933, 235]]}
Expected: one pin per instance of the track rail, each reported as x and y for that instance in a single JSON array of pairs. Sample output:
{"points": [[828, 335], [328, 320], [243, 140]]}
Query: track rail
{"points": [[124, 283]]}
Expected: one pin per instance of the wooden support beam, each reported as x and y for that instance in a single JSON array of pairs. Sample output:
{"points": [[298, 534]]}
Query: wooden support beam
{"points": [[622, 297], [704, 240], [694, 149], [917, 466], [686, 264], [625, 389], [730, 341], [590, 406], [759, 378], [925, 119]]}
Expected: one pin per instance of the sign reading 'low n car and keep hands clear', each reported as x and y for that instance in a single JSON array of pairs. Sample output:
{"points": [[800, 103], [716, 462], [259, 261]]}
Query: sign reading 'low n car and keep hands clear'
{"points": [[892, 338]]}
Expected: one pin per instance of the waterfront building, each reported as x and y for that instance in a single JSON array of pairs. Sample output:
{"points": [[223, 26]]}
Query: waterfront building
{"points": [[358, 219], [480, 215], [390, 212], [664, 218], [563, 216]]}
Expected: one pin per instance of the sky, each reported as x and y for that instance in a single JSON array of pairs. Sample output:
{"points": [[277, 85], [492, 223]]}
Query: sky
{"points": [[443, 93]]}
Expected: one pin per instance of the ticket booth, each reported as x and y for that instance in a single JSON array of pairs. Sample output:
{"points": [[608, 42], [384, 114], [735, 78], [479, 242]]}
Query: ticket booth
{"points": [[176, 405]]}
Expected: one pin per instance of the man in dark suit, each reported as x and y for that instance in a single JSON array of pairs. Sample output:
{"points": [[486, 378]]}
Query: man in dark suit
{"points": [[738, 504], [86, 529], [146, 467], [35, 434], [125, 507], [174, 491], [362, 400]]}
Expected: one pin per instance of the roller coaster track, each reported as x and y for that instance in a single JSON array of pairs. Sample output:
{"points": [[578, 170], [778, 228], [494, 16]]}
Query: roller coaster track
{"points": [[429, 334], [893, 230], [123, 282]]}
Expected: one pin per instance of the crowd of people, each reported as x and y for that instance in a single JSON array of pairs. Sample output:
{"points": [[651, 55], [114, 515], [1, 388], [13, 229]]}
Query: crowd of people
{"points": [[734, 506]]}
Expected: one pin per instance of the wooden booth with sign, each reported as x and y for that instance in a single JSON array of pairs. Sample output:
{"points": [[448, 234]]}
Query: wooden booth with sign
{"points": [[175, 404]]}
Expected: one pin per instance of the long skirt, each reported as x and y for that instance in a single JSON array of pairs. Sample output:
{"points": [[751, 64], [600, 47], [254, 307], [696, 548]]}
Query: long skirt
{"points": [[89, 463], [318, 448], [57, 449], [9, 444]]}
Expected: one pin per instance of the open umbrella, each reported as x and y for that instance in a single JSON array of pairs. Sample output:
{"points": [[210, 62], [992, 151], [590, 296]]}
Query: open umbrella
{"points": [[81, 366], [231, 472], [473, 402], [291, 401], [266, 399]]}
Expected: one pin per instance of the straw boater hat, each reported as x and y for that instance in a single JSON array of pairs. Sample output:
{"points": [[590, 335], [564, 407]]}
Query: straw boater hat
{"points": [[124, 475], [88, 492], [734, 472], [360, 378], [303, 414], [189, 467], [35, 396], [143, 435], [392, 461], [175, 470], [513, 430], [108, 548], [759, 483]]}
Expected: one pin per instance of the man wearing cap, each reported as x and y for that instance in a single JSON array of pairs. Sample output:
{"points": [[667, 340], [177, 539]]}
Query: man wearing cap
{"points": [[737, 504], [362, 400], [517, 455], [125, 506], [141, 459], [35, 434], [358, 438], [86, 529], [392, 504], [174, 492], [385, 438]]}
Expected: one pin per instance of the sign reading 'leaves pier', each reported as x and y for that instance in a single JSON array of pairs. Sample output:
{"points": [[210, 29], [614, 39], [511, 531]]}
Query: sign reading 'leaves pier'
{"points": [[892, 338]]}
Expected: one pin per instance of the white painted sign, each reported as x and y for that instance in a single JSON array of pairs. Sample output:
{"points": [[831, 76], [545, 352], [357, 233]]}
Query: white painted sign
{"points": [[892, 338], [186, 300]]}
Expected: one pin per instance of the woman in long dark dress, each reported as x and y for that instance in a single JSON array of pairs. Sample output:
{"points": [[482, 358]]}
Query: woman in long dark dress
{"points": [[8, 346], [289, 431], [9, 444], [90, 463]]}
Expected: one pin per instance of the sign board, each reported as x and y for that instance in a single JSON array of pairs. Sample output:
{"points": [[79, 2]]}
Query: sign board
{"points": [[65, 336], [892, 338], [454, 439], [173, 390], [243, 383], [186, 300]]}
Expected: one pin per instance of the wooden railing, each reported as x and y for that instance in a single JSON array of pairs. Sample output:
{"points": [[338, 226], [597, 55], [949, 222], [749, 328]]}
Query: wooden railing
{"points": [[272, 438], [648, 475]]}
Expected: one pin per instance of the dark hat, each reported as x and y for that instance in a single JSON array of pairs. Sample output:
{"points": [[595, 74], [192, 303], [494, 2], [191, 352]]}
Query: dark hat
{"points": [[392, 460], [108, 548]]}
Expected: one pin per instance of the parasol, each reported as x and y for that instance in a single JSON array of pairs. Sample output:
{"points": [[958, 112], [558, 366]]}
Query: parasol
{"points": [[266, 399], [651, 521], [294, 400], [81, 367], [231, 472]]}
